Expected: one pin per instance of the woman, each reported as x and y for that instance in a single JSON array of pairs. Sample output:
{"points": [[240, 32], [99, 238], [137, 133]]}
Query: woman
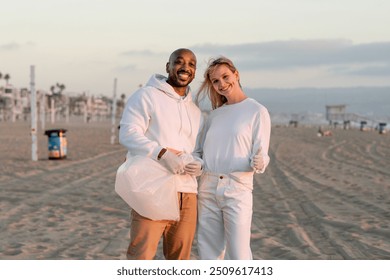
{"points": [[234, 145]]}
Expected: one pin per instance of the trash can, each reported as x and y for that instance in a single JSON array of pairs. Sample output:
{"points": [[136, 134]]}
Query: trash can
{"points": [[382, 128], [56, 143], [362, 125]]}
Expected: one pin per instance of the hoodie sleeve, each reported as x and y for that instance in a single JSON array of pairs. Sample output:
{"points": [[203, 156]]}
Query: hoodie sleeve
{"points": [[134, 124]]}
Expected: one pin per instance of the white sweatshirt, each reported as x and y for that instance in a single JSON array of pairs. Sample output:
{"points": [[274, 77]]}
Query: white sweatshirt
{"points": [[156, 117], [233, 135]]}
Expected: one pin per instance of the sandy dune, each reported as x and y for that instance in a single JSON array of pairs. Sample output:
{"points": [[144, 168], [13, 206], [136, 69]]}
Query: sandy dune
{"points": [[320, 198]]}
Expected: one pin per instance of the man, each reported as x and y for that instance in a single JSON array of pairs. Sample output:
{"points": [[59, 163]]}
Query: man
{"points": [[161, 122]]}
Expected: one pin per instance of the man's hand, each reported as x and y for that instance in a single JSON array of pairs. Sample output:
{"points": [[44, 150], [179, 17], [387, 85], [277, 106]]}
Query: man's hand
{"points": [[172, 162], [193, 168]]}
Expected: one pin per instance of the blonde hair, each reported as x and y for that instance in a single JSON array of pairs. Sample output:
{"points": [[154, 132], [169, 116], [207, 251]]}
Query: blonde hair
{"points": [[207, 89]]}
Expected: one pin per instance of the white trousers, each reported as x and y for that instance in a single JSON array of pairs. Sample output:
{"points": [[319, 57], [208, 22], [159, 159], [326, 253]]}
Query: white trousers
{"points": [[225, 216]]}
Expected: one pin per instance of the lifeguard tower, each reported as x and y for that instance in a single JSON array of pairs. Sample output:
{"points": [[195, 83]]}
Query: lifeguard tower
{"points": [[336, 114]]}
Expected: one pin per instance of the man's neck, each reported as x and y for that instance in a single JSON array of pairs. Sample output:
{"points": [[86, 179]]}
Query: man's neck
{"points": [[182, 91]]}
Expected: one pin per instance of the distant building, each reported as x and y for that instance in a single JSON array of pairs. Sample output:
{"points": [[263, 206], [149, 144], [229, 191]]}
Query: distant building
{"points": [[15, 105]]}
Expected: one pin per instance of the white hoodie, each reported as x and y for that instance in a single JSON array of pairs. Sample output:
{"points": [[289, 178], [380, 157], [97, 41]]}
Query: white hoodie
{"points": [[156, 117]]}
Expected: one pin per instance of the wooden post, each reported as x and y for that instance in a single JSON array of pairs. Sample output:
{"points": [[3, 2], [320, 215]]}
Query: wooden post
{"points": [[113, 115], [85, 111], [67, 109], [42, 109], [52, 109], [13, 106], [34, 122]]}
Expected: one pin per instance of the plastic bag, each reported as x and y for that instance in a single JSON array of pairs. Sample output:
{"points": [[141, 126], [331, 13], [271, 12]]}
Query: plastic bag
{"points": [[148, 188]]}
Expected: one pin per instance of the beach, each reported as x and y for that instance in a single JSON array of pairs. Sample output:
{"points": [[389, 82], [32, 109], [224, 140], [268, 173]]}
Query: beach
{"points": [[320, 198]]}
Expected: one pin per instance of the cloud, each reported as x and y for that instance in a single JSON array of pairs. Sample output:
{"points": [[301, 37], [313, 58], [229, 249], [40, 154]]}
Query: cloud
{"points": [[13, 46], [374, 70], [292, 54], [10, 47], [138, 53], [294, 61], [127, 68]]}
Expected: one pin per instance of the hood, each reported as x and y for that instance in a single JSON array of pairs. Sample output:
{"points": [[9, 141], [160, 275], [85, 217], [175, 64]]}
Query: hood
{"points": [[160, 82]]}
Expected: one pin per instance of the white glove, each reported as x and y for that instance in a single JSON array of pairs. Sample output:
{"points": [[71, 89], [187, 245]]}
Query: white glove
{"points": [[258, 161], [193, 168], [172, 162]]}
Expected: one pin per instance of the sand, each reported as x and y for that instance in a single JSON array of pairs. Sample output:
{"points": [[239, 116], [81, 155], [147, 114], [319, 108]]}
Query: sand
{"points": [[320, 198]]}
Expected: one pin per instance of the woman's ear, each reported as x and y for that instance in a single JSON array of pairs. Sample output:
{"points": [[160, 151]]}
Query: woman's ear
{"points": [[237, 75]]}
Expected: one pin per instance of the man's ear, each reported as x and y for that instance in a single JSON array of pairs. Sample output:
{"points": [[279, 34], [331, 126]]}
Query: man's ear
{"points": [[167, 67]]}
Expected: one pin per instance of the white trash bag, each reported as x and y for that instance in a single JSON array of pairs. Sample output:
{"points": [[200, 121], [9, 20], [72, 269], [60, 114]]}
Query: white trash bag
{"points": [[148, 188]]}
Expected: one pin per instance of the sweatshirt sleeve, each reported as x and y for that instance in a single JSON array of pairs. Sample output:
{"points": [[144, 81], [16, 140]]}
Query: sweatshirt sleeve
{"points": [[134, 124], [262, 134], [198, 150]]}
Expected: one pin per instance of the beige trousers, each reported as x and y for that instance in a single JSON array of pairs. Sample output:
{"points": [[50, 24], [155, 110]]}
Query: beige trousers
{"points": [[178, 236]]}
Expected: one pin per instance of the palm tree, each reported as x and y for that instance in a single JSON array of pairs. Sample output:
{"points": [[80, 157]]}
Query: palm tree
{"points": [[7, 77], [60, 89]]}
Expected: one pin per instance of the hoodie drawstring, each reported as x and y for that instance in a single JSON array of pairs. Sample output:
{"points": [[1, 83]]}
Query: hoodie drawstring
{"points": [[180, 114], [189, 120], [180, 104]]}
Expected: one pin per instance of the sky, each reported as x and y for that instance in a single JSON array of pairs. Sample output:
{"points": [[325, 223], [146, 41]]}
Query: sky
{"points": [[86, 44]]}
